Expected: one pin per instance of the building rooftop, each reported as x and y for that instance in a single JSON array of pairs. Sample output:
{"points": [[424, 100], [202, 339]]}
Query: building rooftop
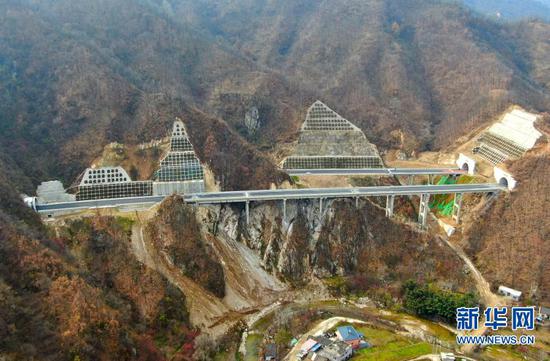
{"points": [[511, 291], [348, 333], [270, 351], [309, 344], [335, 350], [322, 340]]}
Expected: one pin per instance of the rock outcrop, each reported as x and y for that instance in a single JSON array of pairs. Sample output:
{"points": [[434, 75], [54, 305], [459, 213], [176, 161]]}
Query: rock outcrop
{"points": [[343, 240]]}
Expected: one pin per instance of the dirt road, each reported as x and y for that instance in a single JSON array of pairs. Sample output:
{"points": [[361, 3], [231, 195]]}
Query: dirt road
{"points": [[204, 307], [483, 287]]}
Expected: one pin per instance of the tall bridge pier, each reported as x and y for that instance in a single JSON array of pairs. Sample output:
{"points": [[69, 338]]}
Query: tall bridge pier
{"points": [[247, 211], [423, 210], [389, 205], [457, 205]]}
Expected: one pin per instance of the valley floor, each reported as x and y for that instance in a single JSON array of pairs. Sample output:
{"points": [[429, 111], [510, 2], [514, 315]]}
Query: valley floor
{"points": [[394, 336]]}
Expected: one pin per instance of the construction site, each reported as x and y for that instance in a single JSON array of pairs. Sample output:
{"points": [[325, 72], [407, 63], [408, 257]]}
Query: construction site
{"points": [[334, 154], [180, 172]]}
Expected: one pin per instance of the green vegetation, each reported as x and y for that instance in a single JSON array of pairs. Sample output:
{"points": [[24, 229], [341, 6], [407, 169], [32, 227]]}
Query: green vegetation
{"points": [[337, 284], [430, 302], [253, 342], [125, 223], [388, 346], [283, 337], [395, 351]]}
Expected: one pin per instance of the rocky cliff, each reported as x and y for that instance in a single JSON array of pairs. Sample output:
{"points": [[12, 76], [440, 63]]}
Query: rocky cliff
{"points": [[341, 240]]}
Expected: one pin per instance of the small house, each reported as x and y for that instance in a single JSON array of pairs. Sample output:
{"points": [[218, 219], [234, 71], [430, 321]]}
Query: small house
{"points": [[270, 353], [322, 340], [336, 351], [349, 335], [509, 292], [544, 312], [447, 356], [310, 345]]}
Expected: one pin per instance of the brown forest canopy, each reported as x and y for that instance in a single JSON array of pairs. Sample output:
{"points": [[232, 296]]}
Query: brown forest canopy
{"points": [[78, 74]]}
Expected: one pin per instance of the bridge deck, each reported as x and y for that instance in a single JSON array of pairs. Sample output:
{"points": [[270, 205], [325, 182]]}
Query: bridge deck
{"points": [[280, 194], [375, 171]]}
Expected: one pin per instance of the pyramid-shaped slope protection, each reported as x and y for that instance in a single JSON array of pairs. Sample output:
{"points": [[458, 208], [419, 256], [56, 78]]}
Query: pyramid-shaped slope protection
{"points": [[327, 140], [180, 141], [178, 129], [321, 117], [181, 162]]}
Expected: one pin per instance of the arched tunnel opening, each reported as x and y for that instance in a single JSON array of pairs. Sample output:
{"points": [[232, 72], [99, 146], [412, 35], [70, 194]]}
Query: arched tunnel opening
{"points": [[465, 167], [503, 182]]}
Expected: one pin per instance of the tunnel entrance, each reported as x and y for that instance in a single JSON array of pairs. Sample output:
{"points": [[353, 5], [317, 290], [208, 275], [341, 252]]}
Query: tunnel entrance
{"points": [[465, 167], [503, 182]]}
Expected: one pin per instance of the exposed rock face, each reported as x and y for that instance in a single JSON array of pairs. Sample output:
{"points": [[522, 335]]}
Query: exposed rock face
{"points": [[252, 120], [344, 240]]}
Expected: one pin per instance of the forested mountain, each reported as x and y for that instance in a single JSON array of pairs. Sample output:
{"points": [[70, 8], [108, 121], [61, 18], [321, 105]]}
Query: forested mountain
{"points": [[76, 75], [431, 68], [121, 69]]}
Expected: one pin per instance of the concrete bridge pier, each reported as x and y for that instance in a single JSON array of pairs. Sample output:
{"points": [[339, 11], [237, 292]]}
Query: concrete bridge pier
{"points": [[356, 202], [423, 210], [247, 209], [320, 206], [430, 179], [457, 205], [284, 210], [411, 180], [389, 205]]}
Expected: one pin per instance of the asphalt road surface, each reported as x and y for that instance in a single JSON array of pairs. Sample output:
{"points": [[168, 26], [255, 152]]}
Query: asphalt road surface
{"points": [[279, 194], [377, 171]]}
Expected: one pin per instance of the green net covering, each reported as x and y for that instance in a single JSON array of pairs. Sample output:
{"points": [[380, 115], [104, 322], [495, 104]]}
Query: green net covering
{"points": [[443, 203]]}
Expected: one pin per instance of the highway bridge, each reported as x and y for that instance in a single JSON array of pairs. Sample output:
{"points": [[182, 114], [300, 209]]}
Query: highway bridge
{"points": [[390, 192], [377, 171]]}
